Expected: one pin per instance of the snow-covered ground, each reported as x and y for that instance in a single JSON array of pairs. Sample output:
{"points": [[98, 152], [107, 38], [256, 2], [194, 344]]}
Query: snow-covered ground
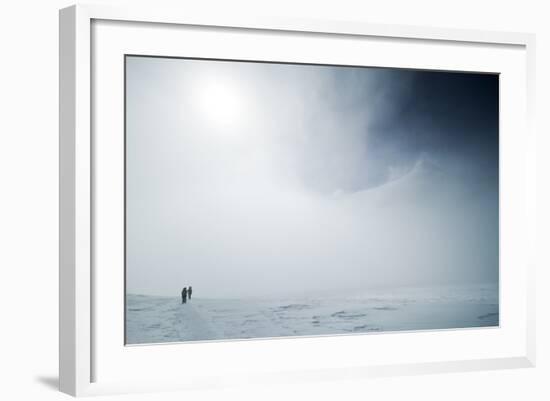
{"points": [[152, 319]]}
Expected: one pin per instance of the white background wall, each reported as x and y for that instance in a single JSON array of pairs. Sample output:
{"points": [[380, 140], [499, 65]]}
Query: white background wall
{"points": [[29, 185]]}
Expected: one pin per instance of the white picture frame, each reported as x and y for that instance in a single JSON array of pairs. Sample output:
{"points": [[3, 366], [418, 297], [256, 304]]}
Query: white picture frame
{"points": [[83, 344]]}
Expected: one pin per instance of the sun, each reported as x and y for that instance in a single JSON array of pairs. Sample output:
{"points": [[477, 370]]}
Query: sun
{"points": [[221, 104]]}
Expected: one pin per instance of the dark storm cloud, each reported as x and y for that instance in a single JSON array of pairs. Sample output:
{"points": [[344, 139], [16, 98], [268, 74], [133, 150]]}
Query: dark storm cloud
{"points": [[403, 115]]}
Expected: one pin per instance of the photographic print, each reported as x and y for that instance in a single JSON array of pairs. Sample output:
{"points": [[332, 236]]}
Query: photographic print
{"points": [[269, 199]]}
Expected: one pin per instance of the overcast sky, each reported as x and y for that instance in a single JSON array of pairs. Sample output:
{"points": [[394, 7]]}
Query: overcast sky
{"points": [[250, 179]]}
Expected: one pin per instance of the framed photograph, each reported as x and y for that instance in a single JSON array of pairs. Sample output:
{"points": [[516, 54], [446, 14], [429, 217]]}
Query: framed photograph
{"points": [[278, 200]]}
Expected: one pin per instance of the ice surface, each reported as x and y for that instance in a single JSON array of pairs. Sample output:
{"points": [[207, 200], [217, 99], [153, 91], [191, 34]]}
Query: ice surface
{"points": [[152, 319]]}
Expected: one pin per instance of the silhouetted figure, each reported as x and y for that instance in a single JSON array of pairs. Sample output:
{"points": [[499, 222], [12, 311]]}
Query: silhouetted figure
{"points": [[184, 295], [189, 292]]}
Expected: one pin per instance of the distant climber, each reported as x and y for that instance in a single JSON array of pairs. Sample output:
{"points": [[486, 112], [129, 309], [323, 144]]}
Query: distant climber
{"points": [[189, 292], [184, 295]]}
